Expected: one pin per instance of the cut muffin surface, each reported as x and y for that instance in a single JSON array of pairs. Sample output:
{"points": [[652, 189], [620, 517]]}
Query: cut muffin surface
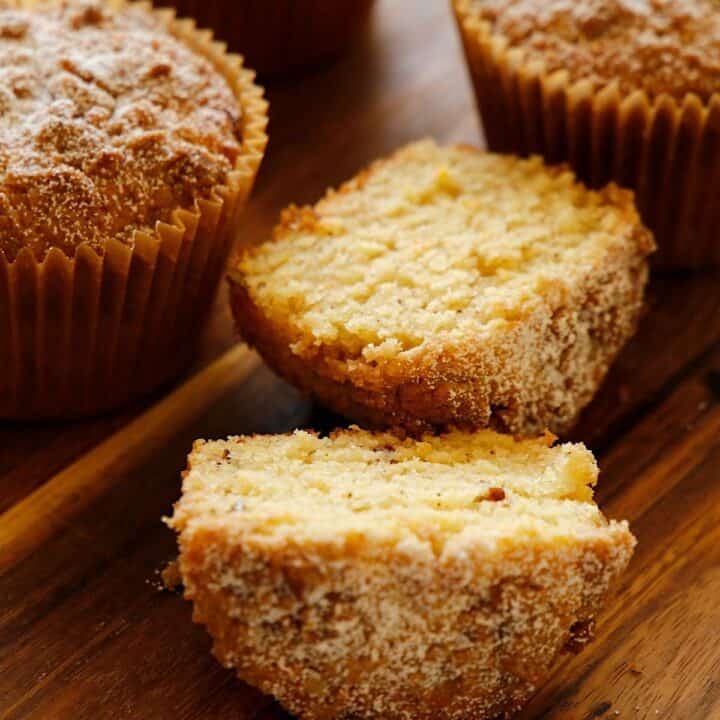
{"points": [[391, 490], [446, 285], [371, 575]]}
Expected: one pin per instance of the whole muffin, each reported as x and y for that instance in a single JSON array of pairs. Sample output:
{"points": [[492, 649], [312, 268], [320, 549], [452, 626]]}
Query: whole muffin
{"points": [[447, 286], [280, 36], [624, 91], [128, 144]]}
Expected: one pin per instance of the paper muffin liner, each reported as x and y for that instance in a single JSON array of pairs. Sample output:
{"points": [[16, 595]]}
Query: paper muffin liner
{"points": [[83, 334], [277, 36], [666, 150]]}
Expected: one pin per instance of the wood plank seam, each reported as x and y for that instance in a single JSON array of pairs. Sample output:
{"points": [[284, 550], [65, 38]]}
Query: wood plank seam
{"points": [[49, 508]]}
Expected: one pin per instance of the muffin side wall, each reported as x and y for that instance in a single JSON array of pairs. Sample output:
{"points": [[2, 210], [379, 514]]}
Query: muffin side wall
{"points": [[667, 151]]}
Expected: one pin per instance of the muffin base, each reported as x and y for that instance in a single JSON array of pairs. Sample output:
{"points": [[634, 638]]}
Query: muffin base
{"points": [[297, 622], [539, 375], [85, 334], [666, 150]]}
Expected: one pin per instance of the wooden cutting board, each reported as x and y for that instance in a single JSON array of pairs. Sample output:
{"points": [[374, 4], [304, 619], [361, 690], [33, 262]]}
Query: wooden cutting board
{"points": [[85, 631]]}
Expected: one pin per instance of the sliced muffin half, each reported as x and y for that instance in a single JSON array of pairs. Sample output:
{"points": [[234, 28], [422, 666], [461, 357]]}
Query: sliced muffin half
{"points": [[370, 575], [447, 286]]}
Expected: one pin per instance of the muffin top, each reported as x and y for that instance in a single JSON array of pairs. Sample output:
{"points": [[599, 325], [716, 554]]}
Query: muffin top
{"points": [[660, 46], [107, 124]]}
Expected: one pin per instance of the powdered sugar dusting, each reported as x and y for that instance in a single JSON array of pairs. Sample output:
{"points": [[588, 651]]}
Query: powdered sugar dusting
{"points": [[661, 46], [107, 124]]}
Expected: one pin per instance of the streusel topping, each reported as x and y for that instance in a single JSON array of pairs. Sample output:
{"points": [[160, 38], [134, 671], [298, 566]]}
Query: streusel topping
{"points": [[660, 46], [107, 124]]}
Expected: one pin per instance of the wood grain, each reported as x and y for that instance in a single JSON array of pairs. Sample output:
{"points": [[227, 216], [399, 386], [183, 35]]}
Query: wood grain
{"points": [[656, 654], [38, 516], [86, 633]]}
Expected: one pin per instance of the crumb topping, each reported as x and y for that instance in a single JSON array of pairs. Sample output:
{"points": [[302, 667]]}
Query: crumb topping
{"points": [[107, 124], [660, 46]]}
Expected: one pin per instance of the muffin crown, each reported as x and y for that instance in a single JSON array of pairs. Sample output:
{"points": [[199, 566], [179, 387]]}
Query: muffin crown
{"points": [[108, 125], [659, 46]]}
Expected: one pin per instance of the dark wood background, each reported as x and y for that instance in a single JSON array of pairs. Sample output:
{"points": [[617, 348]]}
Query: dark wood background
{"points": [[85, 631]]}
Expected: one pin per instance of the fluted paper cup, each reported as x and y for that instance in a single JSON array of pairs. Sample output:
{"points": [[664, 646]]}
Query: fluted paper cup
{"points": [[667, 150], [279, 36]]}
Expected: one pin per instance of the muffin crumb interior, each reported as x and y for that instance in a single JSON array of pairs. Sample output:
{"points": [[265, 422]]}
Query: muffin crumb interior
{"points": [[434, 245], [306, 489]]}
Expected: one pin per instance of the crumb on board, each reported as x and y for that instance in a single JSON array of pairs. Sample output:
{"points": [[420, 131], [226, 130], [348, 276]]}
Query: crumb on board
{"points": [[171, 578]]}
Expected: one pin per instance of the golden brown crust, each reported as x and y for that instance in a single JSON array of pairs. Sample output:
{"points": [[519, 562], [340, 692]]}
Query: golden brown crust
{"points": [[575, 347], [498, 632], [108, 124], [659, 46], [533, 373], [374, 631]]}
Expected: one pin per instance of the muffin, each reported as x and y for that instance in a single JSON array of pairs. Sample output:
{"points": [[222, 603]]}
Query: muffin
{"points": [[281, 36], [622, 91], [368, 576], [447, 286], [130, 142]]}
